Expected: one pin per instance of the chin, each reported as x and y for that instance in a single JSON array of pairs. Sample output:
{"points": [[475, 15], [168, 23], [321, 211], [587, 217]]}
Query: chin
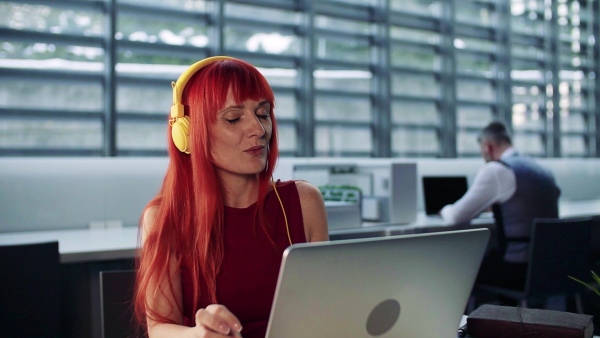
{"points": [[258, 168]]}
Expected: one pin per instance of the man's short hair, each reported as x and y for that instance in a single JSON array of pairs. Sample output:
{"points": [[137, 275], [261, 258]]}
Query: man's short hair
{"points": [[496, 133]]}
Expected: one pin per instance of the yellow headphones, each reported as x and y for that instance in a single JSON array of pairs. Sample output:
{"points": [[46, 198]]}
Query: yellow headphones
{"points": [[180, 123]]}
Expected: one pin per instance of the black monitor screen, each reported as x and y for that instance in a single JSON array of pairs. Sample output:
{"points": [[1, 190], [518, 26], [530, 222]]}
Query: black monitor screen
{"points": [[439, 191]]}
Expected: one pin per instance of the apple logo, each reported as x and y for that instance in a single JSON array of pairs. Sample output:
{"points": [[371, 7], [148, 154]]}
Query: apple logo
{"points": [[383, 317]]}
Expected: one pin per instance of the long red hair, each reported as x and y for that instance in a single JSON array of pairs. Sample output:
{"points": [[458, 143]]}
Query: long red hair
{"points": [[189, 206]]}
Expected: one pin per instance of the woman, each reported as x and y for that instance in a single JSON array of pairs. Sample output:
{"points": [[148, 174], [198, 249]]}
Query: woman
{"points": [[213, 237]]}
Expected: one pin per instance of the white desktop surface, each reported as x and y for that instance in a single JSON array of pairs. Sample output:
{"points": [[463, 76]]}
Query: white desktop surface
{"points": [[82, 245], [423, 223], [87, 245]]}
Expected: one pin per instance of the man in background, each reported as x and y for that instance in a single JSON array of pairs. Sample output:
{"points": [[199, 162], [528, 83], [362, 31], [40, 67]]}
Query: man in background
{"points": [[518, 189]]}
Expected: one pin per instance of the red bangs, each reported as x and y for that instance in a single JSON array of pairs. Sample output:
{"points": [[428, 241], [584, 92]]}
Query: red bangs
{"points": [[209, 87]]}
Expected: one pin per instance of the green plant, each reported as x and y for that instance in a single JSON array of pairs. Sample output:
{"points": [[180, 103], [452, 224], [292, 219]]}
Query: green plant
{"points": [[590, 286]]}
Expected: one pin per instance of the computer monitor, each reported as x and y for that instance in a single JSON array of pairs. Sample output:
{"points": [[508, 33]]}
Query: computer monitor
{"points": [[439, 191]]}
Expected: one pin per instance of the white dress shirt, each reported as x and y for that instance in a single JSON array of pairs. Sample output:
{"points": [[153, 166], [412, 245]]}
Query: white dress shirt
{"points": [[494, 183]]}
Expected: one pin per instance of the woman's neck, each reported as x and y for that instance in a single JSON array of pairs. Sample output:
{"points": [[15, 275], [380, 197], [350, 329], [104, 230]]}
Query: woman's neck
{"points": [[239, 191]]}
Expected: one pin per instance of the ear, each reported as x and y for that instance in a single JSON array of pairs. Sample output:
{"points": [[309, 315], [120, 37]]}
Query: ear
{"points": [[486, 150], [491, 150], [486, 145]]}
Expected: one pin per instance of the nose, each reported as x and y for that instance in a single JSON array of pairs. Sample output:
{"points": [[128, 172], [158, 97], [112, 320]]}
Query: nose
{"points": [[257, 127]]}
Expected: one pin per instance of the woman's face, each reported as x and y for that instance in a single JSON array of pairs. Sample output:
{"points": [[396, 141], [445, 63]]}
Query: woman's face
{"points": [[240, 136]]}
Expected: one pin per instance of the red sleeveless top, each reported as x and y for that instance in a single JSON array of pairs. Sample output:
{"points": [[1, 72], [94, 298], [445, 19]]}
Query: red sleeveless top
{"points": [[248, 276]]}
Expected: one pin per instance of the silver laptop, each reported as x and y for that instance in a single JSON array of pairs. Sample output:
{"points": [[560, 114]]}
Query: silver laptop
{"points": [[400, 286]]}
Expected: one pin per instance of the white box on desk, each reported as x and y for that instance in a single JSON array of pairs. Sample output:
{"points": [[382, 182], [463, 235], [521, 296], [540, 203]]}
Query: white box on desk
{"points": [[402, 202], [343, 215]]}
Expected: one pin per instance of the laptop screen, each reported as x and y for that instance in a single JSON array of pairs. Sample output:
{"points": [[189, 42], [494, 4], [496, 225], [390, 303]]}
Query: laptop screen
{"points": [[439, 191]]}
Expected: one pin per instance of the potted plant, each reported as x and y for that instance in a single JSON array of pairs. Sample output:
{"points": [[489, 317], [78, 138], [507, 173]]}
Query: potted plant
{"points": [[590, 286], [594, 304]]}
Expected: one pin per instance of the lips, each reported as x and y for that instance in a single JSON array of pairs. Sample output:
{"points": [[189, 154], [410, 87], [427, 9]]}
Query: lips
{"points": [[258, 150]]}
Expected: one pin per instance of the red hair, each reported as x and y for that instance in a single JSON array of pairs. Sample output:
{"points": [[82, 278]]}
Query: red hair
{"points": [[189, 219]]}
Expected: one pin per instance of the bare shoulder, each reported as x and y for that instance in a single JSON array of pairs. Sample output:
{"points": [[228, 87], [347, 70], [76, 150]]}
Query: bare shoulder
{"points": [[310, 196], [313, 212], [307, 190], [149, 221]]}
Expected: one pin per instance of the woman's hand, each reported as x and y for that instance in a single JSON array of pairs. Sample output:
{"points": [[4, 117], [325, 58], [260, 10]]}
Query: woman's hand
{"points": [[216, 321]]}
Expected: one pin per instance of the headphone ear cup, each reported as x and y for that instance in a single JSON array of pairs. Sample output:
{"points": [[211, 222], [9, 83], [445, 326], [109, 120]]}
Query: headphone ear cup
{"points": [[180, 133]]}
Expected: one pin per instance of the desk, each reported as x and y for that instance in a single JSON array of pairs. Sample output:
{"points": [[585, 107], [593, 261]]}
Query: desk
{"points": [[423, 224], [82, 245], [95, 245], [89, 245]]}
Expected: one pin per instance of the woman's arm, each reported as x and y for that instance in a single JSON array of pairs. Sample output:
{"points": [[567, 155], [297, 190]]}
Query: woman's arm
{"points": [[313, 212], [214, 321]]}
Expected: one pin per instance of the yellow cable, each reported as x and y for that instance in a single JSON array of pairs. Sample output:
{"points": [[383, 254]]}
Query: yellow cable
{"points": [[287, 228]]}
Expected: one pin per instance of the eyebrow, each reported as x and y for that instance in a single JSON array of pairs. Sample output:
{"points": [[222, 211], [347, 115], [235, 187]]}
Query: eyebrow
{"points": [[260, 104], [233, 106]]}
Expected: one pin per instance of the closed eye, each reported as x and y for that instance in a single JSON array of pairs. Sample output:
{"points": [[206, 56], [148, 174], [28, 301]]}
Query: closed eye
{"points": [[263, 111]]}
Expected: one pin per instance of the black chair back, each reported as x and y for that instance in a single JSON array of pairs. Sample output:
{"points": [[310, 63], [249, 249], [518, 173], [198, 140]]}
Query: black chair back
{"points": [[595, 243], [30, 290], [559, 248], [116, 294]]}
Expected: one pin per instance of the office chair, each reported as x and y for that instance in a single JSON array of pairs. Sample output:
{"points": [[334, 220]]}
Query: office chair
{"points": [[30, 290], [116, 295], [559, 248], [595, 244]]}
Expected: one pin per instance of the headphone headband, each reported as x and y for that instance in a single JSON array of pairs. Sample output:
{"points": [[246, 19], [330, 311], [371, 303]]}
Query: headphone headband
{"points": [[180, 124], [177, 109]]}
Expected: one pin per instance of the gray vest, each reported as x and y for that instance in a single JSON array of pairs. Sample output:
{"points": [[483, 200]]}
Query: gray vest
{"points": [[536, 196]]}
